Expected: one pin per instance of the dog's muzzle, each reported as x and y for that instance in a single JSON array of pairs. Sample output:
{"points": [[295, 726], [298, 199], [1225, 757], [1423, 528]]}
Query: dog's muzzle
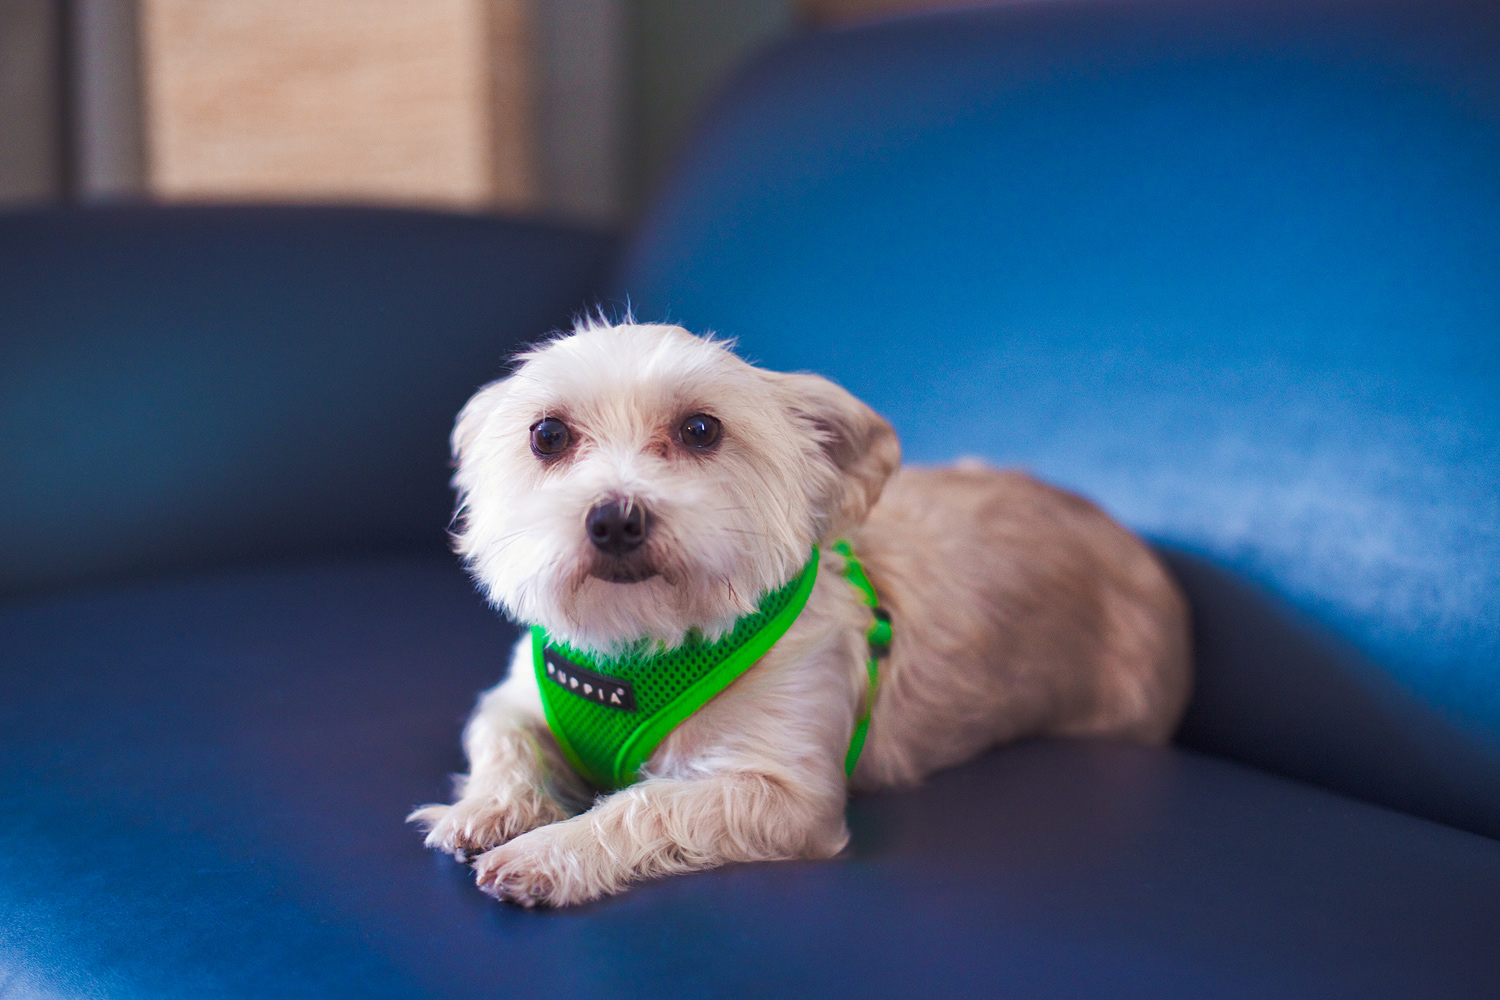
{"points": [[617, 530]]}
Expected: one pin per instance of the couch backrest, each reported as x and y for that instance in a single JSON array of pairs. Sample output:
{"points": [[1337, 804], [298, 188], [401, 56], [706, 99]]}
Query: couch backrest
{"points": [[1232, 269], [194, 386]]}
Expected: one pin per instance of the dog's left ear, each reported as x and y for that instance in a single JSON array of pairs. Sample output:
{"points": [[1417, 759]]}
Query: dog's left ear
{"points": [[858, 442], [471, 419]]}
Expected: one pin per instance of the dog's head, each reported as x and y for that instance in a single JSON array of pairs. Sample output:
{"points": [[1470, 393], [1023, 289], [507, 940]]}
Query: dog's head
{"points": [[637, 481]]}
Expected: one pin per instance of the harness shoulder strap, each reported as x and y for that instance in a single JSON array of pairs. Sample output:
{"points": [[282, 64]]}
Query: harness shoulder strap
{"points": [[879, 639], [605, 730], [609, 719], [645, 740]]}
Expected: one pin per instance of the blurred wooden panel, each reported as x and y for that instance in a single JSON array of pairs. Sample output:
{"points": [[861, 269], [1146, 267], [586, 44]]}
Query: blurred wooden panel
{"points": [[513, 73], [394, 101]]}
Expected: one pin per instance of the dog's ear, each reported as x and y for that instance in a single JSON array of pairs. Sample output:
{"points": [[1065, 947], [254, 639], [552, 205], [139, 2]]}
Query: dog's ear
{"points": [[854, 439], [472, 418]]}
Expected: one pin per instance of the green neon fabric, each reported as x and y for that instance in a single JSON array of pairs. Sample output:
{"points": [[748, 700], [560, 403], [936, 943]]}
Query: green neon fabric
{"points": [[879, 639], [608, 746]]}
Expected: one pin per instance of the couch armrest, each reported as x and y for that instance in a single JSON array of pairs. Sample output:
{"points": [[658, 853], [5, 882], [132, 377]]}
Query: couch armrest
{"points": [[194, 386]]}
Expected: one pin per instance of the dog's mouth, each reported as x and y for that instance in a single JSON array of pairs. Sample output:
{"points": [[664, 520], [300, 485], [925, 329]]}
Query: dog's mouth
{"points": [[614, 570]]}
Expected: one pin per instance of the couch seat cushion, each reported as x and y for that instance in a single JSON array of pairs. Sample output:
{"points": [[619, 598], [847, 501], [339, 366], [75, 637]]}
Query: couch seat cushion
{"points": [[204, 780]]}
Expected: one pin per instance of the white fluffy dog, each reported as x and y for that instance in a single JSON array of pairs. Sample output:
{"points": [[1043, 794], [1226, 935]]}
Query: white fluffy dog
{"points": [[637, 484]]}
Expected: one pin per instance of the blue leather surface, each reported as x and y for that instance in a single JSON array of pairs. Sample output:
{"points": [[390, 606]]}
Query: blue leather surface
{"points": [[203, 782], [194, 385], [1232, 269]]}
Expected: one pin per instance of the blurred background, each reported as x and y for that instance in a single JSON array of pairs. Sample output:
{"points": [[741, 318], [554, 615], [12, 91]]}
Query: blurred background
{"points": [[569, 108]]}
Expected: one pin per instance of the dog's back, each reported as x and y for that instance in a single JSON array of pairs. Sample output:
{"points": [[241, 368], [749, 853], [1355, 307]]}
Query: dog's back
{"points": [[1019, 610]]}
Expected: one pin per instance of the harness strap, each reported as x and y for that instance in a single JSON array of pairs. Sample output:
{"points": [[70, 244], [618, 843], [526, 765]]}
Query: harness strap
{"points": [[879, 639], [609, 716]]}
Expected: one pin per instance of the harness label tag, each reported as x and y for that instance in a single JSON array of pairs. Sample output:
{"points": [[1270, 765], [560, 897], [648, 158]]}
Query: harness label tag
{"points": [[612, 692]]}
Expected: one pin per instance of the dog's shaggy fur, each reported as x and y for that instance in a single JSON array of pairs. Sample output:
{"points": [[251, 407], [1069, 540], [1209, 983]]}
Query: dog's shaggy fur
{"points": [[1018, 610]]}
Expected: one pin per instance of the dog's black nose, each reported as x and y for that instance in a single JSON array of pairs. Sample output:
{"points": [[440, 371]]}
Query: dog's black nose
{"points": [[617, 528]]}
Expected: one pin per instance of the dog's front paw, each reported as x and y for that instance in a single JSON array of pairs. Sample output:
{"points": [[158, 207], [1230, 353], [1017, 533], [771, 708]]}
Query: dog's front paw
{"points": [[475, 824], [547, 867]]}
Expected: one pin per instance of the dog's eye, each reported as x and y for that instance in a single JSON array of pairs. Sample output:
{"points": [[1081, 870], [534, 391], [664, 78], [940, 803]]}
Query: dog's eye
{"points": [[700, 431], [549, 437]]}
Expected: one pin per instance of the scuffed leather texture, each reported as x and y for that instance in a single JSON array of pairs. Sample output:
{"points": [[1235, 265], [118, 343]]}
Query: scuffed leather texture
{"points": [[1231, 269], [204, 782], [191, 386]]}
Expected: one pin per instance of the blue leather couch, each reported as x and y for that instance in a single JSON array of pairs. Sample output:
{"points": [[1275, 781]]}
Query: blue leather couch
{"points": [[1230, 268]]}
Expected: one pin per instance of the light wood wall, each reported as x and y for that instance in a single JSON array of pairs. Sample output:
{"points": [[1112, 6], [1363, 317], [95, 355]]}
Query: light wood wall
{"points": [[568, 107], [423, 102]]}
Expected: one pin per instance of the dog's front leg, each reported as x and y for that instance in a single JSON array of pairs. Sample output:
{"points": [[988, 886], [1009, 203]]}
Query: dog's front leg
{"points": [[663, 826], [517, 780]]}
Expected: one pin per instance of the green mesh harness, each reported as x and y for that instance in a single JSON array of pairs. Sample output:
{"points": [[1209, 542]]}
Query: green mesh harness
{"points": [[610, 714]]}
